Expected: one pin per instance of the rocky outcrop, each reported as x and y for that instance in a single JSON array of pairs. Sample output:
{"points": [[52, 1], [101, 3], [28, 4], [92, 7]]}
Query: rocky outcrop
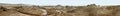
{"points": [[90, 10]]}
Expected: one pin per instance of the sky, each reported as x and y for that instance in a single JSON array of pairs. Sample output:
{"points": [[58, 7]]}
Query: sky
{"points": [[62, 2]]}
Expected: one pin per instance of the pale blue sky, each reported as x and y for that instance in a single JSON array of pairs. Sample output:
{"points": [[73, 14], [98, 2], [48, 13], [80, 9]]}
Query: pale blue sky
{"points": [[62, 2]]}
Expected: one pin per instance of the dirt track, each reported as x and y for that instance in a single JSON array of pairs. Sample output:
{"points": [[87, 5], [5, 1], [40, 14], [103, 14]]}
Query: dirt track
{"points": [[91, 10]]}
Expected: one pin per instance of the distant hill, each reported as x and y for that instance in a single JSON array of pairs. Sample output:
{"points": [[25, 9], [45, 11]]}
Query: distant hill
{"points": [[26, 10]]}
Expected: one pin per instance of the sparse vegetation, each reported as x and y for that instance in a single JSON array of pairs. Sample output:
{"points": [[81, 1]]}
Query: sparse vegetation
{"points": [[90, 10]]}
